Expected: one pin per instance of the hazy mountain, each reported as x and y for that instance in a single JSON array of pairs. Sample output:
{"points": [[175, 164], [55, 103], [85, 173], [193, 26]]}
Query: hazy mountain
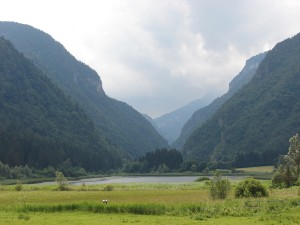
{"points": [[119, 122], [40, 125], [205, 113], [169, 125], [254, 126]]}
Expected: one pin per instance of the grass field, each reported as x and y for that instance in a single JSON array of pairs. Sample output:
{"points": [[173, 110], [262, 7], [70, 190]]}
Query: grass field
{"points": [[258, 169], [185, 203]]}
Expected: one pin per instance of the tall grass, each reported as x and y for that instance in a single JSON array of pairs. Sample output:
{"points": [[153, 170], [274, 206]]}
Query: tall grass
{"points": [[234, 207], [141, 209]]}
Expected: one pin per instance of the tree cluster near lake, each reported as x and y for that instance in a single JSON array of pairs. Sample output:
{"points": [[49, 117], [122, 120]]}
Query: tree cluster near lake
{"points": [[161, 161]]}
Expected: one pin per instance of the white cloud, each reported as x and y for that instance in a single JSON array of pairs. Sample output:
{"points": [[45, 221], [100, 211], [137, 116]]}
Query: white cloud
{"points": [[159, 54]]}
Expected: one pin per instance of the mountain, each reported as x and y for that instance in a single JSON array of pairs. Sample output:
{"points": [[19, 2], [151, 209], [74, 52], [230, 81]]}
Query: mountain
{"points": [[254, 126], [169, 125], [40, 125], [118, 121], [205, 113]]}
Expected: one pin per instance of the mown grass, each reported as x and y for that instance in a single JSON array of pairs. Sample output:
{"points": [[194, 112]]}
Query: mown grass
{"points": [[143, 204], [258, 169]]}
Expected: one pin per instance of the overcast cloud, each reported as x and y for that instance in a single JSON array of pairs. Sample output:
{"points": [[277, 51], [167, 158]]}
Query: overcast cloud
{"points": [[158, 55]]}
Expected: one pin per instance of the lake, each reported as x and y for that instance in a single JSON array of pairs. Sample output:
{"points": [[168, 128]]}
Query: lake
{"points": [[143, 179], [136, 179]]}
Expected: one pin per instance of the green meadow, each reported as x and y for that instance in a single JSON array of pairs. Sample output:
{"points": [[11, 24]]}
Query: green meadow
{"points": [[180, 203]]}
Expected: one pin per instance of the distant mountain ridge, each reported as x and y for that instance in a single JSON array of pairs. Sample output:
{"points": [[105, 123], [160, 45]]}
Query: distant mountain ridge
{"points": [[40, 125], [253, 127], [119, 122], [170, 124], [202, 115]]}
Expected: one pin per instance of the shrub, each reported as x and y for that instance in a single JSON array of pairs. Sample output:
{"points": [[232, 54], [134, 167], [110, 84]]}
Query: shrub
{"points": [[23, 216], [219, 187], [108, 188], [61, 181], [250, 187], [19, 186], [200, 179]]}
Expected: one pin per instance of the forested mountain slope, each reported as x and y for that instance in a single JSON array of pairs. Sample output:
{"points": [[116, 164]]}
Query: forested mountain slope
{"points": [[169, 125], [119, 122], [205, 113], [254, 126], [40, 125]]}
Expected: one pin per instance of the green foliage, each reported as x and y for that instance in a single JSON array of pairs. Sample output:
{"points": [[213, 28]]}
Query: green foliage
{"points": [[250, 187], [162, 168], [137, 202], [204, 114], [161, 161], [200, 179], [251, 128], [108, 187], [293, 155], [19, 186], [287, 172], [61, 181], [23, 216], [41, 126], [219, 187], [119, 122]]}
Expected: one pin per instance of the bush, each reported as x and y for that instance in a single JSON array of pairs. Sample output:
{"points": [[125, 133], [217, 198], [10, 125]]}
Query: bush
{"points": [[219, 187], [61, 181], [19, 186], [250, 187], [200, 179], [108, 188]]}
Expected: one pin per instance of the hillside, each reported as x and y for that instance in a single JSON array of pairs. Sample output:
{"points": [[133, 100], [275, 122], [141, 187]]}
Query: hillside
{"points": [[205, 113], [169, 125], [254, 126], [119, 122], [40, 125]]}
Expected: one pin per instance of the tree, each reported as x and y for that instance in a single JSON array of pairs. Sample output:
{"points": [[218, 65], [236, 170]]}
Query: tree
{"points": [[61, 181], [219, 187], [288, 171], [162, 168], [294, 153]]}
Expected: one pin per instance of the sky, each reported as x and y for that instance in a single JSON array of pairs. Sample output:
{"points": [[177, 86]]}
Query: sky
{"points": [[158, 55]]}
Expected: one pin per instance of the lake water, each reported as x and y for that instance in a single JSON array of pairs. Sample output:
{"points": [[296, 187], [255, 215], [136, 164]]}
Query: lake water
{"points": [[140, 179], [144, 179]]}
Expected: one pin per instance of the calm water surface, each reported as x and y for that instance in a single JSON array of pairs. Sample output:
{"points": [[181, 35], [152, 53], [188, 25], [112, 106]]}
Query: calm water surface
{"points": [[122, 180], [143, 179]]}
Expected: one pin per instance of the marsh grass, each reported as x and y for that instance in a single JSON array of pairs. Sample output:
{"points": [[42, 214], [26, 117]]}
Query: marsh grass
{"points": [[190, 201], [228, 208]]}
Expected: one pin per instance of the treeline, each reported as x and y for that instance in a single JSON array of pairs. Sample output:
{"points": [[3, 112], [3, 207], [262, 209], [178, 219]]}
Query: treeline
{"points": [[161, 161], [24, 172]]}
